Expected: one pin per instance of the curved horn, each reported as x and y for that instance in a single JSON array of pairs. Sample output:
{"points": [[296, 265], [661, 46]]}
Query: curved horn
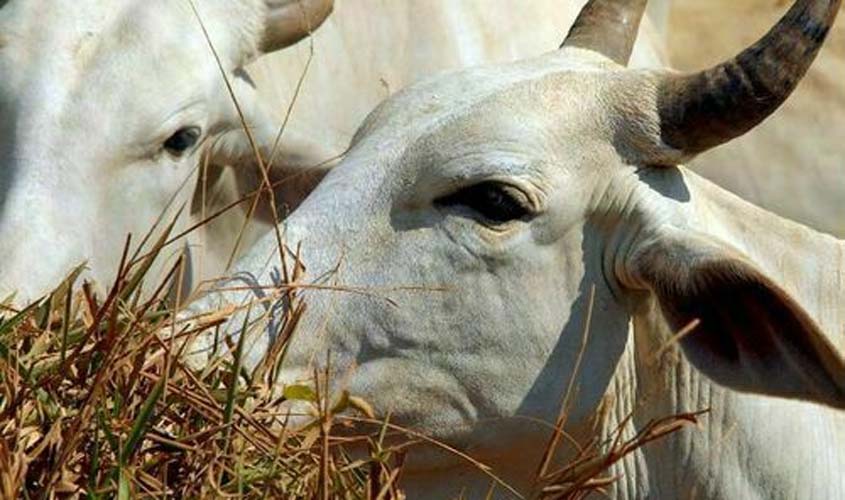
{"points": [[289, 21], [608, 27], [702, 110]]}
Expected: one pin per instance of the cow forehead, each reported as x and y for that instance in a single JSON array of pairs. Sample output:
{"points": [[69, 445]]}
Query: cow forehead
{"points": [[72, 28], [521, 111], [449, 95], [119, 67], [73, 37], [20, 18]]}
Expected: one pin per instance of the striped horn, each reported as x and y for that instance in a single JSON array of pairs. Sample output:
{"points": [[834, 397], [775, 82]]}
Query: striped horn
{"points": [[702, 110]]}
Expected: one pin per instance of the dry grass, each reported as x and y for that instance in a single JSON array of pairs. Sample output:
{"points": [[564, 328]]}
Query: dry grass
{"points": [[587, 472], [95, 401]]}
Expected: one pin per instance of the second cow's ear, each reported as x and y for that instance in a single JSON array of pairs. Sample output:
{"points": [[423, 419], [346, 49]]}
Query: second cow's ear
{"points": [[289, 21], [752, 335], [295, 162], [297, 166]]}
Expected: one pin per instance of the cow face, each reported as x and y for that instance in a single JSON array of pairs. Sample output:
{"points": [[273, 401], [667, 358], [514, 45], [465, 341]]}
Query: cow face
{"points": [[492, 231], [470, 222], [105, 110], [465, 222]]}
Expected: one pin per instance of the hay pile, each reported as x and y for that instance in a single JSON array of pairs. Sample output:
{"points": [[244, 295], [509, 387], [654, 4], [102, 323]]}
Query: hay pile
{"points": [[96, 402]]}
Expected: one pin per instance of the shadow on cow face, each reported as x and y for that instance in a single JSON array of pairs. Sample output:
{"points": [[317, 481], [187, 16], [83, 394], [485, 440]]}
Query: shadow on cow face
{"points": [[107, 108]]}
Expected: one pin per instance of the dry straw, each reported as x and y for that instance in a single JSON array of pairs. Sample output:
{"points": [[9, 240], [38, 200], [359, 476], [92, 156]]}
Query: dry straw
{"points": [[95, 401]]}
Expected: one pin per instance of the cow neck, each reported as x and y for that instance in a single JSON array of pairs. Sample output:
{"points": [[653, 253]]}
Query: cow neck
{"points": [[737, 432], [808, 264]]}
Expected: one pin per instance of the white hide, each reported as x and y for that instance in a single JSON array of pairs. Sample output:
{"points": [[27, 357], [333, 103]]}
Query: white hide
{"points": [[484, 321], [89, 90], [89, 93]]}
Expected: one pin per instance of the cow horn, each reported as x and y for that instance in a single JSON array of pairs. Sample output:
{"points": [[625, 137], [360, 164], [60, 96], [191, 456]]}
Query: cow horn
{"points": [[608, 27], [702, 110], [289, 21]]}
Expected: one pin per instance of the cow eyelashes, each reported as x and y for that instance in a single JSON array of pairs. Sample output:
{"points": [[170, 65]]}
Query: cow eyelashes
{"points": [[494, 201], [182, 140]]}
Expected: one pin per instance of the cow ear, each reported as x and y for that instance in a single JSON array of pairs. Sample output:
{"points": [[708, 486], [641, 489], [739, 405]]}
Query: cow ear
{"points": [[751, 335], [289, 21], [294, 167], [296, 162]]}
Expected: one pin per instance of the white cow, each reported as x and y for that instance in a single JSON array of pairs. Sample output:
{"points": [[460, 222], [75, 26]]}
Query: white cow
{"points": [[91, 91], [105, 109], [491, 204]]}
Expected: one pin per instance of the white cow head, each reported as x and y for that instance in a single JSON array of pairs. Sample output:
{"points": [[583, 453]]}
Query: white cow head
{"points": [[105, 109], [476, 213]]}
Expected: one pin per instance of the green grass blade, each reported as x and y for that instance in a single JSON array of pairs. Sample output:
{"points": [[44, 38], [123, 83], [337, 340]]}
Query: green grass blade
{"points": [[236, 370], [123, 490], [55, 298], [111, 439], [147, 263], [10, 324], [141, 421], [95, 462], [66, 320]]}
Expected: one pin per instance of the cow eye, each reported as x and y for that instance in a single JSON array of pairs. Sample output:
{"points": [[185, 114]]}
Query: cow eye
{"points": [[494, 201], [182, 140]]}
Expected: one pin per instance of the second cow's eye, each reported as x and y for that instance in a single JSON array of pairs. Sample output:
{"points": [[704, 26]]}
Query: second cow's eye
{"points": [[182, 140], [494, 201]]}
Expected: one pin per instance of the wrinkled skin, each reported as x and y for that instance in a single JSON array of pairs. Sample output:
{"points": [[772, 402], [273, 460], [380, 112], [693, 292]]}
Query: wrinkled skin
{"points": [[86, 105], [485, 319]]}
